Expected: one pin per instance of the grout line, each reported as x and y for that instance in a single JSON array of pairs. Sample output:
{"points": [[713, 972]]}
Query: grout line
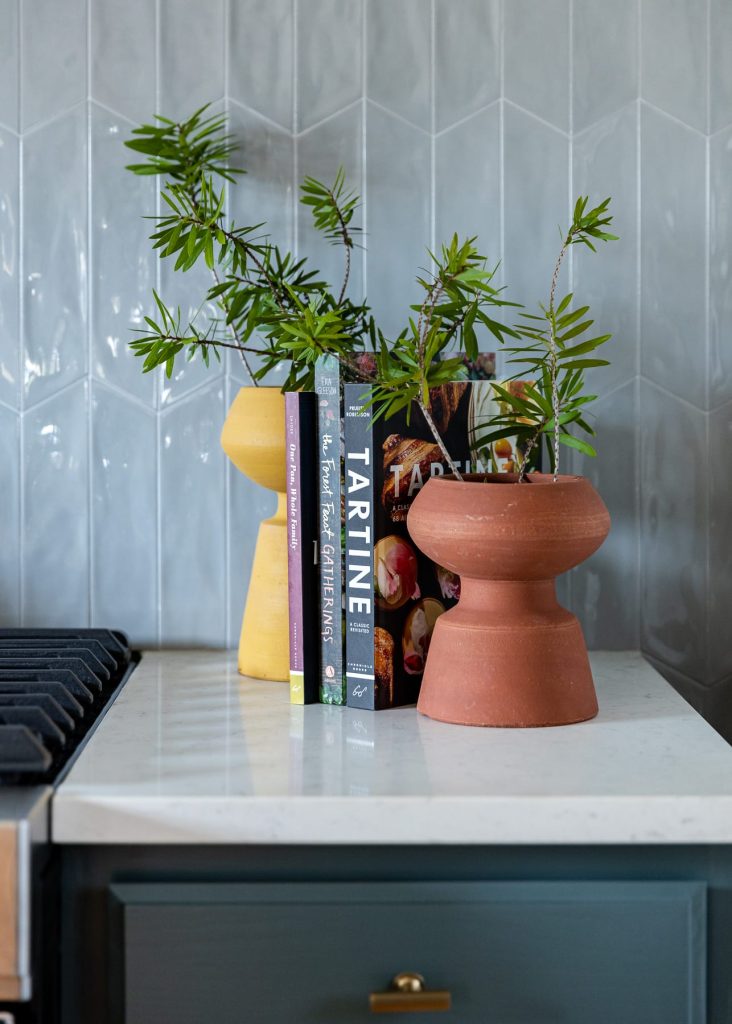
{"points": [[709, 67], [127, 396], [21, 331], [639, 491], [672, 117], [227, 362], [295, 143], [227, 529], [56, 116], [52, 397], [225, 44], [536, 117], [433, 125], [328, 117], [89, 332], [398, 117], [501, 158], [707, 624], [468, 117], [259, 116], [110, 110], [570, 148], [678, 398], [158, 386], [295, 67], [364, 144]]}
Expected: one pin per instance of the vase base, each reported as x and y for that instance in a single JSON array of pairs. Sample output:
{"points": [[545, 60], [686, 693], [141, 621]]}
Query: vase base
{"points": [[264, 645], [530, 676]]}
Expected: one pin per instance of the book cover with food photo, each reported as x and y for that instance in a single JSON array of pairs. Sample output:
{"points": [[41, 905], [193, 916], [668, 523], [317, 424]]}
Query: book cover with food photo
{"points": [[394, 593]]}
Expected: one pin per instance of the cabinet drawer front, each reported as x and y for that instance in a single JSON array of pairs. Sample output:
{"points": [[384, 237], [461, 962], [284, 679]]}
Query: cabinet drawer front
{"points": [[509, 953]]}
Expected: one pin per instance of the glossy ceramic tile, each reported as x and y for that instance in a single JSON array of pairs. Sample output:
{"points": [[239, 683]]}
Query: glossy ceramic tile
{"points": [[674, 58], [604, 59], [441, 158], [605, 588], [9, 63], [397, 183], [9, 270], [265, 193], [117, 30], [673, 241], [605, 164], [191, 55], [468, 182], [53, 40], [720, 269], [536, 57], [124, 516], [328, 58], [720, 65], [674, 510], [720, 550], [55, 255], [337, 142], [56, 511], [10, 529], [464, 84], [535, 174], [193, 521], [260, 58], [123, 271], [398, 46]]}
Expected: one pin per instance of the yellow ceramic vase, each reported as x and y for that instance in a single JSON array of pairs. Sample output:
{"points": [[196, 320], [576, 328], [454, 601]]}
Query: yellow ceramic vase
{"points": [[254, 439]]}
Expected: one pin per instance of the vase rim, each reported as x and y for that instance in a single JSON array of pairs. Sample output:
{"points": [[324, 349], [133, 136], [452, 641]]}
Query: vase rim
{"points": [[471, 479]]}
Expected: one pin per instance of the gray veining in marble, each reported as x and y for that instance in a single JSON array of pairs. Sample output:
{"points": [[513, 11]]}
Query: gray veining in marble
{"points": [[473, 115]]}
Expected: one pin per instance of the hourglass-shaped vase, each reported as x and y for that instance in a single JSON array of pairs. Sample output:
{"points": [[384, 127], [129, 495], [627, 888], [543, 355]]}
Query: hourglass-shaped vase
{"points": [[253, 437]]}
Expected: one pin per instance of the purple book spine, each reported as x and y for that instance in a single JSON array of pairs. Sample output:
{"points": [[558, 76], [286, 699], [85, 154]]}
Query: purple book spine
{"points": [[294, 546]]}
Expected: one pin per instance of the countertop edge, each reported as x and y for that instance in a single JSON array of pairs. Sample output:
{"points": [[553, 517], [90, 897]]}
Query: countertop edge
{"points": [[393, 820]]}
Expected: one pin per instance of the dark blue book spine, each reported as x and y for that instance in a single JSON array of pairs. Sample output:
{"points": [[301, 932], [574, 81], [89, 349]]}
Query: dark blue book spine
{"points": [[359, 498]]}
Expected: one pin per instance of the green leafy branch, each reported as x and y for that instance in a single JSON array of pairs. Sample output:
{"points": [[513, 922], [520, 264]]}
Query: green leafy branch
{"points": [[556, 359], [458, 295], [257, 288]]}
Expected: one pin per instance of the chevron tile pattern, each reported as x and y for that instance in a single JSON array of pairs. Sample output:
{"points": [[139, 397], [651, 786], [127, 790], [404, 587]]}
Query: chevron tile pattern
{"points": [[479, 116]]}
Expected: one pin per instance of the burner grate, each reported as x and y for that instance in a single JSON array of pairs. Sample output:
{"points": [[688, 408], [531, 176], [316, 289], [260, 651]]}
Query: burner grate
{"points": [[54, 685]]}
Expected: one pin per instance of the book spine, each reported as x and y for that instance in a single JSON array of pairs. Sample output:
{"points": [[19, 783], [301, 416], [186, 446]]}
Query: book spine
{"points": [[330, 543], [359, 487], [301, 545]]}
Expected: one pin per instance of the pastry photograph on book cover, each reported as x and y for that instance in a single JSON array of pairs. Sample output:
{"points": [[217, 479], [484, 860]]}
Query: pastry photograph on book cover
{"points": [[394, 593]]}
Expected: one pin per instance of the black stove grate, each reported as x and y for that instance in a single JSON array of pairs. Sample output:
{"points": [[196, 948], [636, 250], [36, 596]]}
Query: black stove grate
{"points": [[54, 685]]}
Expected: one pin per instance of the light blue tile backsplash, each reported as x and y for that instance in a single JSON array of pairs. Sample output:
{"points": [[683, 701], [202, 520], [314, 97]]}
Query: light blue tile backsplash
{"points": [[480, 116]]}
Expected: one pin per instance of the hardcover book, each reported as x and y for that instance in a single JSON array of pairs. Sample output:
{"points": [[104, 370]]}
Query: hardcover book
{"points": [[302, 562], [332, 689], [394, 593]]}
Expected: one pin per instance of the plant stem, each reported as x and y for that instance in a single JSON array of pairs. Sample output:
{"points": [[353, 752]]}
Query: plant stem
{"points": [[224, 306], [440, 443], [553, 362]]}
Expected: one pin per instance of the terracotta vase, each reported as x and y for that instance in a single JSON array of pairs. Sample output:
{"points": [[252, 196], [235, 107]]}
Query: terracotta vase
{"points": [[254, 439], [508, 654]]}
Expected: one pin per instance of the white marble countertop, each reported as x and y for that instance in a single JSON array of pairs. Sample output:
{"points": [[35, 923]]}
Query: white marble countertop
{"points": [[192, 753]]}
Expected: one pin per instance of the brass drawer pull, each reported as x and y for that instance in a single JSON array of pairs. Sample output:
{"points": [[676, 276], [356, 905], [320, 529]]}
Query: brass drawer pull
{"points": [[408, 995]]}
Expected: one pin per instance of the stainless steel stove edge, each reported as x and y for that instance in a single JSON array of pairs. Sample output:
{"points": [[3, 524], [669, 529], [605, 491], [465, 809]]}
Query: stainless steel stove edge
{"points": [[24, 825]]}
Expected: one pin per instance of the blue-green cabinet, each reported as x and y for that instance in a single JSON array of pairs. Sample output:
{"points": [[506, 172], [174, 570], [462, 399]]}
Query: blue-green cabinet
{"points": [[509, 952]]}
